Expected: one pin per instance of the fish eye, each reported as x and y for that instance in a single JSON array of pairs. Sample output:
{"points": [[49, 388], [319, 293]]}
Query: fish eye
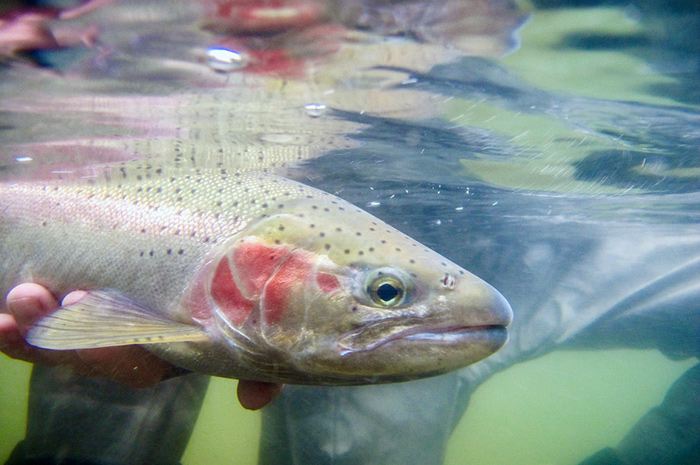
{"points": [[387, 287]]}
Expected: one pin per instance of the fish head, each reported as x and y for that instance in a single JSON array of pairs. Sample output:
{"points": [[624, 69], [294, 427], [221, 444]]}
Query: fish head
{"points": [[336, 296]]}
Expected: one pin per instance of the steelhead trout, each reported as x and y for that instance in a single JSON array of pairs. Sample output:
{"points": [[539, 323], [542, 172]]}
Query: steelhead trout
{"points": [[243, 275]]}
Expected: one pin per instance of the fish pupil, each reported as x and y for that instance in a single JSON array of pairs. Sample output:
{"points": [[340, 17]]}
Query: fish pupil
{"points": [[387, 292]]}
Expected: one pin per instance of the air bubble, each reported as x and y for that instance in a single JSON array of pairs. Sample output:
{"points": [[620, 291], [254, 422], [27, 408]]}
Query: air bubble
{"points": [[315, 110], [224, 59]]}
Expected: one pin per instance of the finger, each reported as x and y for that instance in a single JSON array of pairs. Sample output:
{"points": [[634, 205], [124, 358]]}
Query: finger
{"points": [[73, 297], [28, 303], [11, 341], [254, 395]]}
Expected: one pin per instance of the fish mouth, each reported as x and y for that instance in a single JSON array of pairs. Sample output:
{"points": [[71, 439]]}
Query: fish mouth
{"points": [[452, 335], [494, 335], [449, 334]]}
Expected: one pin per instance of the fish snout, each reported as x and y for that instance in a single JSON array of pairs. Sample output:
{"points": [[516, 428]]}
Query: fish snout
{"points": [[480, 304], [501, 309]]}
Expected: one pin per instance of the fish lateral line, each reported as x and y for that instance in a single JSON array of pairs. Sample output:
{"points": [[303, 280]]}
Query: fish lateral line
{"points": [[107, 318]]}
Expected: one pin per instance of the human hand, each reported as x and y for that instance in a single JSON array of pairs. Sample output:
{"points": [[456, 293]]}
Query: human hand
{"points": [[130, 365]]}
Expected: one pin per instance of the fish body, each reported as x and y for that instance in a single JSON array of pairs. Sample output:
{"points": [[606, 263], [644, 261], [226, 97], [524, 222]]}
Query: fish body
{"points": [[243, 275]]}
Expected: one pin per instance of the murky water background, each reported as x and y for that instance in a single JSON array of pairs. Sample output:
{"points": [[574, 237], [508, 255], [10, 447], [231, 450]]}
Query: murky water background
{"points": [[510, 166]]}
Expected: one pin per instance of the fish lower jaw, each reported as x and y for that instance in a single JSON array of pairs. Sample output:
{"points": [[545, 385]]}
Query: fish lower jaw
{"points": [[452, 333], [454, 337]]}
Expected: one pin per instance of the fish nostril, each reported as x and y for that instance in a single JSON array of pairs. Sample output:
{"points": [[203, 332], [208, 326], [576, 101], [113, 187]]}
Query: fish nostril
{"points": [[448, 281]]}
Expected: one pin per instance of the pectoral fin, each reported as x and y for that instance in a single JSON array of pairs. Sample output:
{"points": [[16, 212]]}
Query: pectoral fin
{"points": [[107, 318]]}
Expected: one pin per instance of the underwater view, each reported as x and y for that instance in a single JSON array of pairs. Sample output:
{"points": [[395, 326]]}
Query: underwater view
{"points": [[551, 148]]}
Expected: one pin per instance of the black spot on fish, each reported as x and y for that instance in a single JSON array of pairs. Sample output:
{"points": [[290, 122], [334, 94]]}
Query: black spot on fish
{"points": [[312, 225], [346, 251], [327, 246], [281, 228], [322, 234], [181, 251]]}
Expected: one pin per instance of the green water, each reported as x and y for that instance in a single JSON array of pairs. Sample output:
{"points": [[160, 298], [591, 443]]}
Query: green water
{"points": [[557, 409]]}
